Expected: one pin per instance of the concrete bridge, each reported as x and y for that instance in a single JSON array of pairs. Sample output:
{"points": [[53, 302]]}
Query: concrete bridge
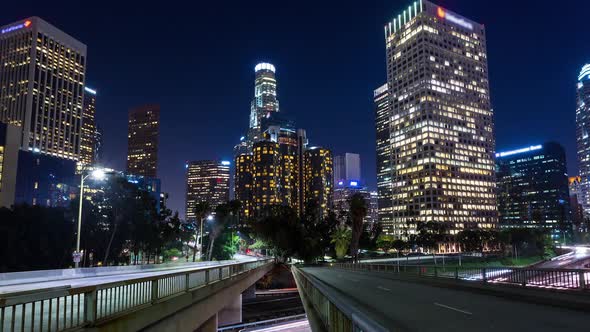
{"points": [[185, 297]]}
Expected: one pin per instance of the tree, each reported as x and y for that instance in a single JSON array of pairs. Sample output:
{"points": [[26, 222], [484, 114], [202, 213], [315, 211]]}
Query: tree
{"points": [[385, 242], [358, 211], [201, 210], [341, 239], [36, 238]]}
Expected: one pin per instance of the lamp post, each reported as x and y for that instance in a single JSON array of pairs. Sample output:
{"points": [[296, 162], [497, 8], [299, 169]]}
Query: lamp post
{"points": [[209, 218], [98, 174]]}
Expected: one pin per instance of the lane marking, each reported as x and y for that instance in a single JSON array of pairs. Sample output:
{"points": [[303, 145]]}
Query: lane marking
{"points": [[383, 288], [451, 308]]}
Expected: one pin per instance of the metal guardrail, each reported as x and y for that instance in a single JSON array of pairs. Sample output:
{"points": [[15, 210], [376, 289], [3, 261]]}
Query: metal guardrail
{"points": [[65, 308], [335, 313], [564, 279]]}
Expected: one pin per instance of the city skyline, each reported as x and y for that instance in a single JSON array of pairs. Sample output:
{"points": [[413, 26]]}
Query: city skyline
{"points": [[550, 92]]}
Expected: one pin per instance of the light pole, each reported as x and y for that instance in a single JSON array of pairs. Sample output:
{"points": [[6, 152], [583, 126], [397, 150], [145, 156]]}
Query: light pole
{"points": [[209, 218], [98, 174]]}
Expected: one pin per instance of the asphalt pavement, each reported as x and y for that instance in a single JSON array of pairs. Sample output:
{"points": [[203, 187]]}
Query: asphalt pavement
{"points": [[25, 285], [407, 306]]}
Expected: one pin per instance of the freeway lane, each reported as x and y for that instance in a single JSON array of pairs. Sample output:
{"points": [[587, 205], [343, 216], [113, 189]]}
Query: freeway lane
{"points": [[406, 306], [25, 285]]}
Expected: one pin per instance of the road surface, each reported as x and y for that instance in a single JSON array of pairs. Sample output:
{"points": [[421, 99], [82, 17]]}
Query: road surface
{"points": [[576, 259], [406, 306], [25, 285]]}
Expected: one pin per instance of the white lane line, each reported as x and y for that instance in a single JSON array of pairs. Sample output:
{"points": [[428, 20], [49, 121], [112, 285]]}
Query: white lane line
{"points": [[451, 308], [383, 288]]}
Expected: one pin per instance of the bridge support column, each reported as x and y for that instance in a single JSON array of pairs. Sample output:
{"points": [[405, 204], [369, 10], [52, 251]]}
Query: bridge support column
{"points": [[249, 293], [210, 325], [232, 313]]}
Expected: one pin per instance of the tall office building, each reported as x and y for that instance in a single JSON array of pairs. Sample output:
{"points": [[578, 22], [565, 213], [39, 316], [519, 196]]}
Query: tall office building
{"points": [[88, 135], [42, 73], [143, 136], [583, 137], [263, 105], [533, 187], [347, 167], [318, 178], [577, 210], [441, 131], [206, 181], [302, 143], [266, 161], [384, 156], [244, 183], [286, 136], [343, 191]]}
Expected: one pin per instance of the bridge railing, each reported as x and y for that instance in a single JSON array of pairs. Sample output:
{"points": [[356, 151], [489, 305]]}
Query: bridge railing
{"points": [[334, 313], [68, 308], [565, 279]]}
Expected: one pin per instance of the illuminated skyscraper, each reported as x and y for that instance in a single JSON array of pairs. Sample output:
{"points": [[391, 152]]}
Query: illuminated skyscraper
{"points": [[263, 105], [88, 137], [206, 181], [42, 86], [347, 167], [384, 156], [266, 163], [244, 183], [441, 131], [533, 187], [143, 137], [286, 136], [583, 139], [318, 178]]}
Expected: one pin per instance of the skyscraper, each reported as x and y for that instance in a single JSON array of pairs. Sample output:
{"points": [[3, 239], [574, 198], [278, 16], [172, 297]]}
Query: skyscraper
{"points": [[88, 135], [244, 183], [441, 131], [582, 137], [42, 76], [347, 167], [384, 156], [266, 163], [206, 181], [318, 178], [143, 136], [533, 187], [263, 105]]}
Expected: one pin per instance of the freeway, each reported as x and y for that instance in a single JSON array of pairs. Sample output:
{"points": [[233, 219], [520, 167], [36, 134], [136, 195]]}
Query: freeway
{"points": [[399, 305], [24, 284], [577, 258]]}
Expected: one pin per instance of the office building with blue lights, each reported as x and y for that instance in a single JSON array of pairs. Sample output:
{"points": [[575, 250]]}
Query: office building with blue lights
{"points": [[533, 188]]}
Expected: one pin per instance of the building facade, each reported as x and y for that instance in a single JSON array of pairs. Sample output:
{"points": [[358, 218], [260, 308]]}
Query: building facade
{"points": [[343, 191], [143, 139], [384, 155], [347, 167], [577, 211], [266, 167], [244, 184], [583, 137], [88, 134], [42, 78], [533, 187], [10, 140], [441, 130], [318, 178], [206, 181]]}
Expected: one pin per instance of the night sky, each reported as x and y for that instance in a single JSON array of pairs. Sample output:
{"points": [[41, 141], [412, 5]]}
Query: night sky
{"points": [[197, 60]]}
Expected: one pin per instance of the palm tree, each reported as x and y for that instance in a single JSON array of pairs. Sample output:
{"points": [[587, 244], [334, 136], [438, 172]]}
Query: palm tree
{"points": [[201, 210], [358, 212], [341, 239]]}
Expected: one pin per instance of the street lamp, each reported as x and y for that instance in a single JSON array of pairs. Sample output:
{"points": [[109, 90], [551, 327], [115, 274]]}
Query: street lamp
{"points": [[97, 174], [209, 218]]}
